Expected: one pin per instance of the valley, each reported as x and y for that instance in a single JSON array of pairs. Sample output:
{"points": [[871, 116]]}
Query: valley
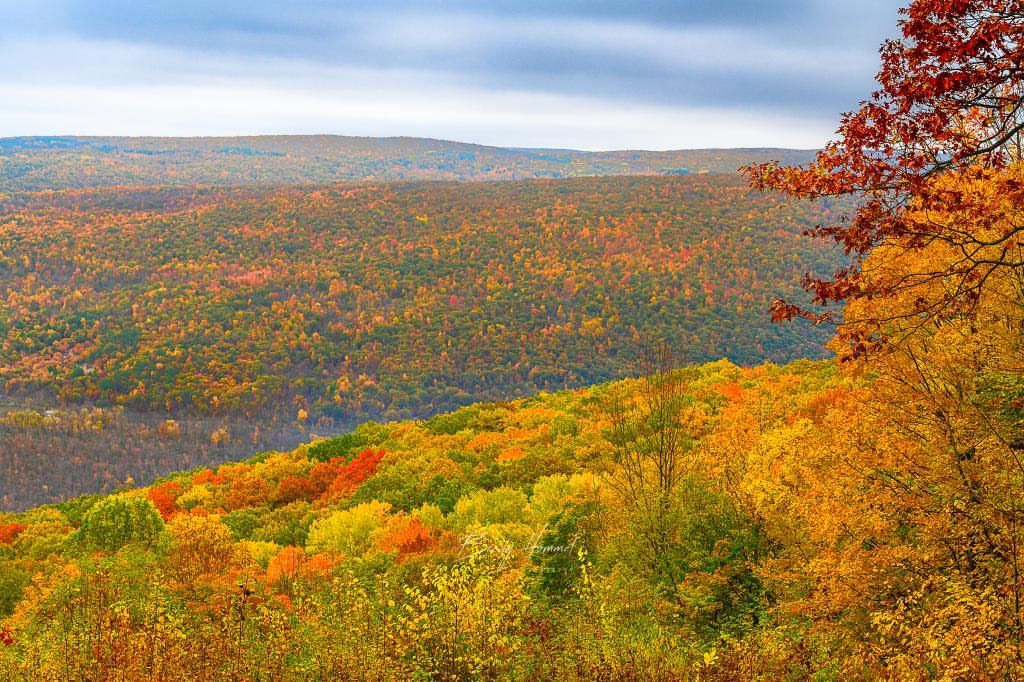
{"points": [[322, 407], [274, 311]]}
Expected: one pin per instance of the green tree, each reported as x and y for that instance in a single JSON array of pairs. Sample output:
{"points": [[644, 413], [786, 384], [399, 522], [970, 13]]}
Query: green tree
{"points": [[650, 441], [349, 531], [119, 520], [12, 584]]}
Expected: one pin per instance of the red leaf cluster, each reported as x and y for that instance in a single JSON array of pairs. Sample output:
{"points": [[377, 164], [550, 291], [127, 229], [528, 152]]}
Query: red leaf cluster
{"points": [[350, 476], [950, 100], [9, 532], [164, 497]]}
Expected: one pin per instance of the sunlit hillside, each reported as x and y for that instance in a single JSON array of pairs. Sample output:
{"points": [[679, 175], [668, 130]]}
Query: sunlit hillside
{"points": [[496, 541]]}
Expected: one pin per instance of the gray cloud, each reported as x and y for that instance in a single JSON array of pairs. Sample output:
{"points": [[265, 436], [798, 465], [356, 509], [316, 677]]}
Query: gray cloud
{"points": [[800, 58]]}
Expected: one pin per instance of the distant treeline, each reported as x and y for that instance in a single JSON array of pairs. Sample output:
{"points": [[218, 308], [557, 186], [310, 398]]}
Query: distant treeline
{"points": [[52, 163]]}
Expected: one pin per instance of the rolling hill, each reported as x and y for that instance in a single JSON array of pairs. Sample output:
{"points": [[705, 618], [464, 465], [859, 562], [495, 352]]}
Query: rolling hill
{"points": [[475, 545], [254, 314], [51, 163], [390, 300]]}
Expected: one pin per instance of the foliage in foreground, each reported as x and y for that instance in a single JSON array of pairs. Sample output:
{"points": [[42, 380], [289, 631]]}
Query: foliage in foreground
{"points": [[805, 533]]}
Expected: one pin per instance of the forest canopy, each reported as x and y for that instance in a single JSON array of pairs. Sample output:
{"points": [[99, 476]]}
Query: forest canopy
{"points": [[857, 518], [389, 301]]}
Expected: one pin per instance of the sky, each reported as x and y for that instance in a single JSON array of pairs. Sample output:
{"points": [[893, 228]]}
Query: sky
{"points": [[581, 74]]}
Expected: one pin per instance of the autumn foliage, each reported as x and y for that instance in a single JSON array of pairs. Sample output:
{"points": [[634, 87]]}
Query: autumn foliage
{"points": [[9, 532], [156, 329], [945, 120], [164, 498], [343, 300], [856, 520]]}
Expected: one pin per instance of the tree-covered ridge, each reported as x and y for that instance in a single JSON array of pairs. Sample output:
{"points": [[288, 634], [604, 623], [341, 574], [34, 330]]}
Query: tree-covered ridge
{"points": [[50, 163], [489, 542], [852, 520], [713, 522], [389, 300]]}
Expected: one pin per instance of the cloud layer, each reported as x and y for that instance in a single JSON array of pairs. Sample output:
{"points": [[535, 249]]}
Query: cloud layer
{"points": [[592, 74]]}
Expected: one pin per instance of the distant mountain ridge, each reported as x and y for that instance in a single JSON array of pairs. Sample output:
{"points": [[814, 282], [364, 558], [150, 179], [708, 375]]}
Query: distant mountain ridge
{"points": [[69, 162]]}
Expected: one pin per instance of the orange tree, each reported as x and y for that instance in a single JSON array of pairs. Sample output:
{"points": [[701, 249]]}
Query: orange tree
{"points": [[933, 311], [949, 104]]}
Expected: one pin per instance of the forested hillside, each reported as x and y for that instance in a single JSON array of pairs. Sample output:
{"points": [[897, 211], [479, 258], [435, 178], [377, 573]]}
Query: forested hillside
{"points": [[273, 309], [50, 163], [821, 520], [852, 518], [804, 523], [497, 541], [391, 300]]}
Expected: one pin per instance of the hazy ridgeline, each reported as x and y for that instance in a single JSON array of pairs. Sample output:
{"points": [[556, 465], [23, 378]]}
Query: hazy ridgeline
{"points": [[49, 163]]}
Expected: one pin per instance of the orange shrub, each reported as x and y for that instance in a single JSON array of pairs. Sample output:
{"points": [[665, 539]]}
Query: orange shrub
{"points": [[410, 537], [164, 497], [285, 565], [9, 532], [207, 476]]}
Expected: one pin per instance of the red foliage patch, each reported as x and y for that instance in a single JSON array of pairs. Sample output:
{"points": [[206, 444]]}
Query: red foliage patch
{"points": [[10, 532], [351, 475], [207, 476], [292, 488], [165, 498]]}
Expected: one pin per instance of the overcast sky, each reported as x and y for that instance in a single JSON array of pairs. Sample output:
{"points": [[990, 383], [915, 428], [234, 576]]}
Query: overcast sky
{"points": [[587, 74]]}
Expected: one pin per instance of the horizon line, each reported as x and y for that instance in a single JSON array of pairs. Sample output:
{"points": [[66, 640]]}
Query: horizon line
{"points": [[73, 136]]}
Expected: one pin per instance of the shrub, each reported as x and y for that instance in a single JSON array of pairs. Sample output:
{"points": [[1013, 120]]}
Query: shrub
{"points": [[349, 531], [117, 521]]}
